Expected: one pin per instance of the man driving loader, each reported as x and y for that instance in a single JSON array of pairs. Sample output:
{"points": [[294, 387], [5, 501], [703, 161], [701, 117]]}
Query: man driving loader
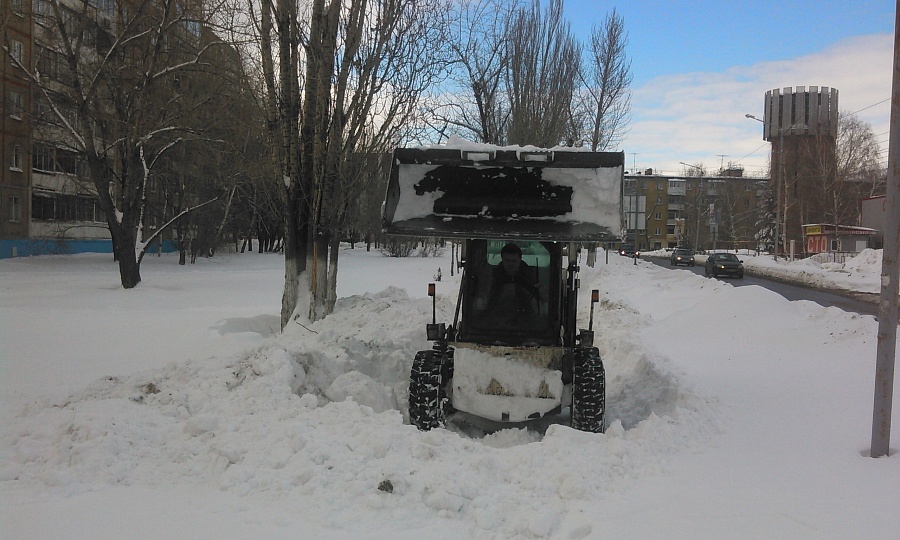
{"points": [[515, 292]]}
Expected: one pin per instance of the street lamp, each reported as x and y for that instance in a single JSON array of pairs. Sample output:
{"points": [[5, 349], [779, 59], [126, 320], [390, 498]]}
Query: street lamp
{"points": [[780, 172]]}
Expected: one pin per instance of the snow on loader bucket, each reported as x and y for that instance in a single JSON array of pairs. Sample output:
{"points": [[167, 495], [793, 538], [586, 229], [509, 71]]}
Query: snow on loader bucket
{"points": [[513, 352], [455, 193]]}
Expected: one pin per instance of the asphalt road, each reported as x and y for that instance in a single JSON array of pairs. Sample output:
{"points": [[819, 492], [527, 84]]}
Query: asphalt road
{"points": [[859, 303]]}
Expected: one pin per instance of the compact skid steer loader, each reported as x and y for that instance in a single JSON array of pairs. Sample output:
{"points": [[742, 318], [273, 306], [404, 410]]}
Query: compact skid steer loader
{"points": [[513, 352]]}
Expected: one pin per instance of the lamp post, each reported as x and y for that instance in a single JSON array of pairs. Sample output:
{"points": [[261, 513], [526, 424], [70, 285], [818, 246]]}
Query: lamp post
{"points": [[777, 181]]}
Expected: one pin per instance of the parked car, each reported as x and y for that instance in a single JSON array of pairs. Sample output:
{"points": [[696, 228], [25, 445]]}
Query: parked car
{"points": [[682, 256], [724, 264], [628, 250]]}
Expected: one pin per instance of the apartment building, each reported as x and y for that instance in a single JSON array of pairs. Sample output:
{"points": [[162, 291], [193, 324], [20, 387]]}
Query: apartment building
{"points": [[707, 212], [15, 122]]}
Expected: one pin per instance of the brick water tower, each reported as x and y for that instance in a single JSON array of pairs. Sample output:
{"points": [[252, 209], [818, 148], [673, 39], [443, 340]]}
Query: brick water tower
{"points": [[801, 124]]}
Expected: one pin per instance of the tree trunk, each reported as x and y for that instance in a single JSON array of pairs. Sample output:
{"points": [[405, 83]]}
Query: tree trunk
{"points": [[333, 253], [294, 262], [317, 266], [123, 244]]}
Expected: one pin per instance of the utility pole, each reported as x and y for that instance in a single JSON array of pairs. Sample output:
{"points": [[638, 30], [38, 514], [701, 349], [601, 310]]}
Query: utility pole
{"points": [[887, 312]]}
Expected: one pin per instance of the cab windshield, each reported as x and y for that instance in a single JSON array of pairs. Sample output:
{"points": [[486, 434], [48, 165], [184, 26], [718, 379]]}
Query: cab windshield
{"points": [[509, 296]]}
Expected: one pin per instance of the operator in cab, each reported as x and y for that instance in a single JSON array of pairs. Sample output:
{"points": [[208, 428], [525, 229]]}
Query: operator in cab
{"points": [[515, 292]]}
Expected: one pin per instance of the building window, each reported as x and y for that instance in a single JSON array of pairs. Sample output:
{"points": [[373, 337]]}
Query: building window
{"points": [[51, 206], [16, 108], [66, 162], [18, 7], [656, 231], [15, 159], [15, 209], [42, 207], [42, 8], [835, 245], [193, 27], [42, 158], [16, 50], [52, 65]]}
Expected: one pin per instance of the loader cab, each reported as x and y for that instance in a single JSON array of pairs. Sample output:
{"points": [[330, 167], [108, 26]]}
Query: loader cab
{"points": [[510, 302]]}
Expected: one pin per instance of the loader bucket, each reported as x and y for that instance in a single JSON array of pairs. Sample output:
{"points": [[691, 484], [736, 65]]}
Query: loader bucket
{"points": [[560, 194]]}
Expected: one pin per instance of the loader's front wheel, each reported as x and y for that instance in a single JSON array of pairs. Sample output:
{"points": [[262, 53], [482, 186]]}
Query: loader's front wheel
{"points": [[588, 390], [425, 407]]}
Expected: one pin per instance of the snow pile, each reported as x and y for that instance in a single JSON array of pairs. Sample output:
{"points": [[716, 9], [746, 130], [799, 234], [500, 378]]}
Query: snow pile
{"points": [[860, 273], [729, 405]]}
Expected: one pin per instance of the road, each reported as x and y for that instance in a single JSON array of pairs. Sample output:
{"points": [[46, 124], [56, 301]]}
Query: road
{"points": [[790, 291]]}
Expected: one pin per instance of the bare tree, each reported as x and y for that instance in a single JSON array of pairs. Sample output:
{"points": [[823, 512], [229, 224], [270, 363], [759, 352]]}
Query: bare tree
{"points": [[841, 172], [364, 65], [480, 110], [858, 154], [696, 200], [607, 81], [108, 85], [737, 211], [388, 54], [543, 61]]}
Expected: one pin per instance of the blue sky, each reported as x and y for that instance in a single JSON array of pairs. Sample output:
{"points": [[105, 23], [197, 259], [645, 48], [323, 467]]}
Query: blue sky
{"points": [[700, 66]]}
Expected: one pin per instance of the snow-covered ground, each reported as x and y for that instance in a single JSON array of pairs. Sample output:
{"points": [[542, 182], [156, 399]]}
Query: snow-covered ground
{"points": [[176, 410]]}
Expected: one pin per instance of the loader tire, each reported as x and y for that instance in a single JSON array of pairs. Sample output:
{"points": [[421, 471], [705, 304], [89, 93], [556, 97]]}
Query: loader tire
{"points": [[425, 404], [588, 391]]}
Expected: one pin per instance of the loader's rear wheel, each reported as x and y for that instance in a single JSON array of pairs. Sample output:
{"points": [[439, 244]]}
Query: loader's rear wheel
{"points": [[588, 391], [425, 407]]}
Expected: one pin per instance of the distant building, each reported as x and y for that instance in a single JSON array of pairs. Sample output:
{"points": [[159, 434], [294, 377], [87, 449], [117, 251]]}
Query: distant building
{"points": [[827, 238], [709, 212], [48, 202], [873, 214]]}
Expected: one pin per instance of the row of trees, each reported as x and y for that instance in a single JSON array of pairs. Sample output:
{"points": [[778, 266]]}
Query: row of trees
{"points": [[212, 119], [343, 82], [520, 76]]}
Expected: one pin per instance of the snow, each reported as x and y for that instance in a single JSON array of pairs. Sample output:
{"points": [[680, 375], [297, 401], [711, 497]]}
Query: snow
{"points": [[176, 410], [860, 273]]}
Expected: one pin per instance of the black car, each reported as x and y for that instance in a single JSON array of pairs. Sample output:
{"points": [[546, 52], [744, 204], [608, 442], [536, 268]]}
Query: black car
{"points": [[628, 250], [724, 264], [682, 256]]}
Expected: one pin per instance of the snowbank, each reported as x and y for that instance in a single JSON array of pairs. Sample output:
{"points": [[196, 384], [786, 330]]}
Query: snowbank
{"points": [[750, 421]]}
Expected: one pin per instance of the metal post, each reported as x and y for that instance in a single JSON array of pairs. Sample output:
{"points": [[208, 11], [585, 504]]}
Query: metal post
{"points": [[778, 188], [887, 312]]}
